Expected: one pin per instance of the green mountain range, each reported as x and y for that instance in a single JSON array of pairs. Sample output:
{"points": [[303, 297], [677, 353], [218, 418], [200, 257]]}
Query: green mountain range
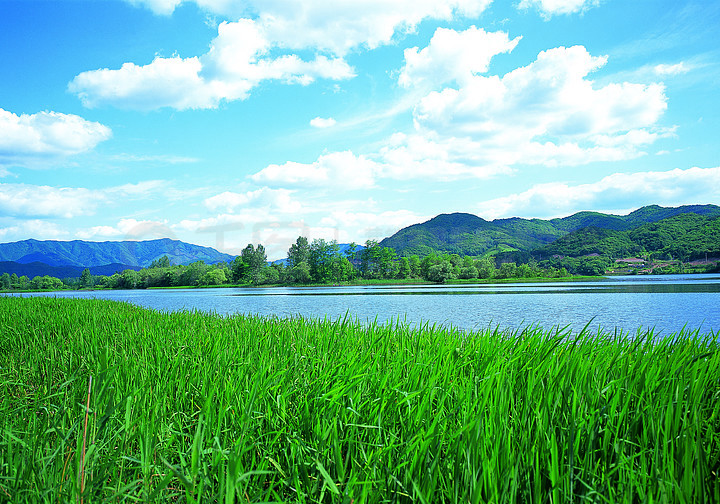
{"points": [[685, 237], [615, 235], [86, 254]]}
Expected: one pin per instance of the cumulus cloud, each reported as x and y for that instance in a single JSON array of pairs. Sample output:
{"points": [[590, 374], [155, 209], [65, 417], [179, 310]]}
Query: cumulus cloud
{"points": [[238, 60], [336, 27], [413, 156], [453, 55], [27, 200], [547, 112], [614, 192], [44, 201], [339, 170], [322, 122], [47, 134], [549, 8], [340, 26], [250, 50]]}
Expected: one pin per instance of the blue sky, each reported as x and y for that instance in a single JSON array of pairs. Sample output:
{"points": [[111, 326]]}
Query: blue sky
{"points": [[223, 122]]}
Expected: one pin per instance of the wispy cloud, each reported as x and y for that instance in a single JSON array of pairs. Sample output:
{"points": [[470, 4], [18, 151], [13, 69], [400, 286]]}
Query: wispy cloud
{"points": [[549, 8]]}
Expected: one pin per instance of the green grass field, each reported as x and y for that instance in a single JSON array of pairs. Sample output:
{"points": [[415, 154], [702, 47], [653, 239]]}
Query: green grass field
{"points": [[192, 407]]}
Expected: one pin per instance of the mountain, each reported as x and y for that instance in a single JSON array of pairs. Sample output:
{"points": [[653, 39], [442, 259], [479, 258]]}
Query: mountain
{"points": [[85, 254], [467, 234], [36, 268], [686, 236]]}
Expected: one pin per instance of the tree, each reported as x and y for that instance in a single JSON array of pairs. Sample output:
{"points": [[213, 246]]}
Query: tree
{"points": [[507, 270], [485, 267], [414, 266], [240, 269], [86, 278], [404, 268], [129, 279], [162, 262], [255, 258], [22, 283], [298, 252], [46, 283], [264, 276], [321, 256], [377, 261], [193, 273], [213, 276], [5, 281], [468, 272], [441, 272], [300, 273], [341, 269]]}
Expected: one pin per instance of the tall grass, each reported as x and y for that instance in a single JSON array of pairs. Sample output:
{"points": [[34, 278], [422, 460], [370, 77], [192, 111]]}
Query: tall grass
{"points": [[193, 407]]}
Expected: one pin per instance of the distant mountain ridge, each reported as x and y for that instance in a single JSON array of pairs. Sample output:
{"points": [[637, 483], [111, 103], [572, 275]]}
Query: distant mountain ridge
{"points": [[86, 254], [467, 234], [37, 268]]}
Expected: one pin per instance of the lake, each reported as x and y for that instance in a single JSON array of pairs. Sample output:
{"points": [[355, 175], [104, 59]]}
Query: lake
{"points": [[666, 303]]}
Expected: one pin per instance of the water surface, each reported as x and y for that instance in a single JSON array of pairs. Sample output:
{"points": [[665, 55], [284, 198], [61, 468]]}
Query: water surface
{"points": [[664, 303]]}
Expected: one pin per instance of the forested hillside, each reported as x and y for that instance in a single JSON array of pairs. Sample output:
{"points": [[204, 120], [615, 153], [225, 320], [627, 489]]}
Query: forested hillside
{"points": [[466, 234], [684, 237]]}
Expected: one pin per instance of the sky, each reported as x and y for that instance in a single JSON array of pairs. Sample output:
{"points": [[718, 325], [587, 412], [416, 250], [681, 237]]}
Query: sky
{"points": [[223, 122]]}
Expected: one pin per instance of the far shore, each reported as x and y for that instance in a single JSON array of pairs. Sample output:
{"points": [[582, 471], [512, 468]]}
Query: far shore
{"points": [[363, 282]]}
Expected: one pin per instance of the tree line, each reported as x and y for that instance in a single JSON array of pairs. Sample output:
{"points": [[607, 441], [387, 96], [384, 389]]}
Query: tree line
{"points": [[316, 262]]}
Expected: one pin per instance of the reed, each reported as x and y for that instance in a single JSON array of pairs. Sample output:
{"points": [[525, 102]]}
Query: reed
{"points": [[196, 407]]}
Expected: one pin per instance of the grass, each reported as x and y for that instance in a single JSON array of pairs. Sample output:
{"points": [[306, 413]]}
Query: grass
{"points": [[107, 402]]}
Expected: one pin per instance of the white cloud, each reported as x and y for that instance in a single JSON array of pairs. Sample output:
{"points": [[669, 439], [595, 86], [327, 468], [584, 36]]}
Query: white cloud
{"points": [[248, 51], [343, 25], [47, 134], [27, 200], [336, 27], [363, 226], [549, 8], [321, 122], [616, 191], [280, 200], [165, 7], [453, 55], [166, 82], [128, 229], [276, 218], [670, 70], [139, 190], [238, 60], [13, 230], [547, 112], [43, 201], [339, 170], [406, 157]]}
